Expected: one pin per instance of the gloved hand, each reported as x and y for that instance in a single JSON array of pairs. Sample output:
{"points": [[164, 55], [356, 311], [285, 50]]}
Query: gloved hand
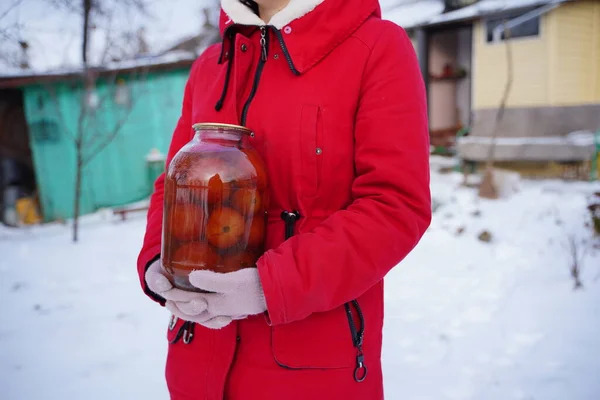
{"points": [[188, 306], [234, 294]]}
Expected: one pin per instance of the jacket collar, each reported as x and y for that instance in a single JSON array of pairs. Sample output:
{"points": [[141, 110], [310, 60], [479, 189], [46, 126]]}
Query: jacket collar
{"points": [[307, 30]]}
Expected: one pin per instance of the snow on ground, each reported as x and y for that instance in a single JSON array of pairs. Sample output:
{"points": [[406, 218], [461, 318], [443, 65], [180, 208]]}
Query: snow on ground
{"points": [[465, 319]]}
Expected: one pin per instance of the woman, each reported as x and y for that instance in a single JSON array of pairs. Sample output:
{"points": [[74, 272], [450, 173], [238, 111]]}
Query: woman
{"points": [[336, 101]]}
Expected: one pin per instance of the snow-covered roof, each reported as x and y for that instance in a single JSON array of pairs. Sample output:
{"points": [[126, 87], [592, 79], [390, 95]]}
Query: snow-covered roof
{"points": [[489, 7], [16, 78], [411, 14]]}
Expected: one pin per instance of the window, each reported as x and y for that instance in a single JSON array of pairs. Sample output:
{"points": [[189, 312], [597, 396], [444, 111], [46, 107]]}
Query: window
{"points": [[529, 28], [44, 130]]}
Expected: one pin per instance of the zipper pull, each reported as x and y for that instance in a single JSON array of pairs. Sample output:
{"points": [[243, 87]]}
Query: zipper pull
{"points": [[361, 370], [263, 42]]}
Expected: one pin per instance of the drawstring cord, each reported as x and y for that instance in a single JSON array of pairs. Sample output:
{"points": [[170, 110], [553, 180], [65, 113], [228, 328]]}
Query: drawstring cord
{"points": [[284, 49], [219, 104], [286, 52]]}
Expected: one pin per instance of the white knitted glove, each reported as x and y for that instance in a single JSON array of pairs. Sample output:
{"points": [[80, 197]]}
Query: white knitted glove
{"points": [[188, 306], [234, 294]]}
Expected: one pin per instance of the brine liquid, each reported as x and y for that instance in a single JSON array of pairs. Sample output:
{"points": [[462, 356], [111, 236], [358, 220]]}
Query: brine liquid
{"points": [[214, 217]]}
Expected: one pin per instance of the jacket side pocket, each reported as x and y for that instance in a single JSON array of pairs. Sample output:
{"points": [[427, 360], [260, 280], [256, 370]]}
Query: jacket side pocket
{"points": [[321, 341]]}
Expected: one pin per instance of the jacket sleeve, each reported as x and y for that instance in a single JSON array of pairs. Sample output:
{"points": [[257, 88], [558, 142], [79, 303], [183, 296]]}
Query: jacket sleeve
{"points": [[151, 247], [355, 248]]}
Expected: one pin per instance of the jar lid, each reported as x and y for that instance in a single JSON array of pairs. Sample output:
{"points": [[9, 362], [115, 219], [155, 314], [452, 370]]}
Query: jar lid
{"points": [[211, 125]]}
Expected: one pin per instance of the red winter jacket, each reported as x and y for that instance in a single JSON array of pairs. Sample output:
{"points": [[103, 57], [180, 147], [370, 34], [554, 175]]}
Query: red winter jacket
{"points": [[337, 104]]}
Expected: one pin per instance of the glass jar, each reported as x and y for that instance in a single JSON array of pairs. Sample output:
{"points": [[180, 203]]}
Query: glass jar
{"points": [[215, 205]]}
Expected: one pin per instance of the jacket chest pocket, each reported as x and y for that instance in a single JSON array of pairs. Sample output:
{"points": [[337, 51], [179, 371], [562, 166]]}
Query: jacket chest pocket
{"points": [[311, 148]]}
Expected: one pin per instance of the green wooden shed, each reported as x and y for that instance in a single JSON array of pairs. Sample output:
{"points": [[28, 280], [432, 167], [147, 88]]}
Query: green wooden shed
{"points": [[143, 100]]}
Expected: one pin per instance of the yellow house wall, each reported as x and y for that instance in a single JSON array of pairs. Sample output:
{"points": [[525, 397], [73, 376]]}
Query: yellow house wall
{"points": [[530, 69], [596, 49], [560, 67], [575, 54]]}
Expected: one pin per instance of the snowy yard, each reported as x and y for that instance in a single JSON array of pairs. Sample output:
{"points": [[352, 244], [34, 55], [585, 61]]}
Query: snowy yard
{"points": [[465, 319]]}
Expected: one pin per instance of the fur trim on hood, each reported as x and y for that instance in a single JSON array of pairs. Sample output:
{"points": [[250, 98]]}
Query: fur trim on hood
{"points": [[243, 15]]}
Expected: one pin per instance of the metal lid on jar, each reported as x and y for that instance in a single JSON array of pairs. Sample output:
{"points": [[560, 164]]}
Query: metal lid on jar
{"points": [[219, 126]]}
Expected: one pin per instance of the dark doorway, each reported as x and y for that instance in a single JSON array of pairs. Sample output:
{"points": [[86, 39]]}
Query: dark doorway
{"points": [[17, 176], [449, 84]]}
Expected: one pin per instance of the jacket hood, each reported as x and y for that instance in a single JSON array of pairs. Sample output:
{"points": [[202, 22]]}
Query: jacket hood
{"points": [[309, 29]]}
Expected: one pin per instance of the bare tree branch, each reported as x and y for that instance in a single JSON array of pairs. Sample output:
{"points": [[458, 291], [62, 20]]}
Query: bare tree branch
{"points": [[58, 112], [74, 6], [14, 5], [107, 45], [90, 145], [10, 38], [107, 140], [87, 10], [118, 126]]}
